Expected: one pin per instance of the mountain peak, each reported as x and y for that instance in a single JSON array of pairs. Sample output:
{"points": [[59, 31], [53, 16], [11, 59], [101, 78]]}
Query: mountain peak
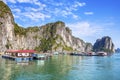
{"points": [[104, 44]]}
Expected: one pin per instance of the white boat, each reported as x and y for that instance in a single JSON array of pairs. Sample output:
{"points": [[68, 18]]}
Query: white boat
{"points": [[101, 53]]}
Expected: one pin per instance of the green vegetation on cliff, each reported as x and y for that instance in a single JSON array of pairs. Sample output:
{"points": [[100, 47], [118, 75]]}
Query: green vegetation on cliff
{"points": [[59, 22], [3, 9], [50, 37], [22, 31], [66, 48], [46, 44], [19, 30], [32, 29], [8, 45]]}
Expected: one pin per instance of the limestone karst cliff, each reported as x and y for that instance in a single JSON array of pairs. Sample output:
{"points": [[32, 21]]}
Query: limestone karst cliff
{"points": [[6, 26], [104, 44], [50, 37]]}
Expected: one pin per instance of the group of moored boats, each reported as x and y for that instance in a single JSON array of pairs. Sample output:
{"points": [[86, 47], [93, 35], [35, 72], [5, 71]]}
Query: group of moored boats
{"points": [[90, 54], [28, 55]]}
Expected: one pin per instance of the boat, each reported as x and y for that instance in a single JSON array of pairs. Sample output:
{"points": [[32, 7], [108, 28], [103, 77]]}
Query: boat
{"points": [[55, 53], [90, 54], [40, 56], [77, 54], [102, 53]]}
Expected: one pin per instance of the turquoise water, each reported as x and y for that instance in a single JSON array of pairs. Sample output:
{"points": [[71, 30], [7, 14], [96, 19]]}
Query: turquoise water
{"points": [[63, 67]]}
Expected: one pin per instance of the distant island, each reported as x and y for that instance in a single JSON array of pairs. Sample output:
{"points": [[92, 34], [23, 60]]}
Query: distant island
{"points": [[53, 36], [117, 50]]}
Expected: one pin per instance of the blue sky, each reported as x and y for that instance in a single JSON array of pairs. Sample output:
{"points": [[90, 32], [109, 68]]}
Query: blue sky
{"points": [[88, 19]]}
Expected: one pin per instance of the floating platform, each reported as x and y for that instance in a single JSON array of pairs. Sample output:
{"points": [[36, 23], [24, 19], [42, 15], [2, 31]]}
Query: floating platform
{"points": [[18, 59], [19, 55]]}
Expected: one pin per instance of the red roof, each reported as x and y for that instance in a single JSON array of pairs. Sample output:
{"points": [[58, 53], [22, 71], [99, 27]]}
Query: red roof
{"points": [[21, 51]]}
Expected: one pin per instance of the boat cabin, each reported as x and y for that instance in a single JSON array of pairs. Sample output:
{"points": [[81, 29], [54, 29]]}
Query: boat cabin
{"points": [[19, 53]]}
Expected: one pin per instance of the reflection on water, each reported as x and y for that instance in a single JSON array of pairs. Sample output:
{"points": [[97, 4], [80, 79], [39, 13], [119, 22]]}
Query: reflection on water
{"points": [[63, 67], [40, 62], [21, 64]]}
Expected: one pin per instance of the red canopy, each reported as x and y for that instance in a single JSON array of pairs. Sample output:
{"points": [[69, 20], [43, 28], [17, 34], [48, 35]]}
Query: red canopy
{"points": [[21, 51]]}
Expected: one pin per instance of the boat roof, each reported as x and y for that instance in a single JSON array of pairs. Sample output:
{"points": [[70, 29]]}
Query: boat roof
{"points": [[21, 51]]}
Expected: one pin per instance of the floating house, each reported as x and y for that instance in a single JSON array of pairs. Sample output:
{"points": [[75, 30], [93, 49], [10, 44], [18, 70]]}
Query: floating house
{"points": [[19, 55]]}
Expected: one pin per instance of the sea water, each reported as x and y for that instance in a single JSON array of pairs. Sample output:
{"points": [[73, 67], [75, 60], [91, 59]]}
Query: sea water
{"points": [[63, 67]]}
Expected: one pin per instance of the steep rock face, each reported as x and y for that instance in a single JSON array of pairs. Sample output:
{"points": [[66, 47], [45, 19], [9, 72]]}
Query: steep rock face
{"points": [[59, 38], [26, 38], [104, 44], [88, 47], [50, 37], [6, 27]]}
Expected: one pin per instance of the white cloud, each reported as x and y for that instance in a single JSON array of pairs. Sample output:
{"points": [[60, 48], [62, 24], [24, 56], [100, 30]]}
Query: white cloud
{"points": [[88, 13], [31, 13], [3, 1], [85, 29], [35, 16], [75, 16], [117, 43], [27, 12], [61, 9], [15, 16], [12, 1], [20, 1], [16, 10], [81, 4], [59, 4], [44, 10], [75, 6], [24, 1], [66, 13], [36, 2]]}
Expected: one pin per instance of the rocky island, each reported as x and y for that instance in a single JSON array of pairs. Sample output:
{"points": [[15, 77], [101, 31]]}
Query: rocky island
{"points": [[117, 50], [104, 44]]}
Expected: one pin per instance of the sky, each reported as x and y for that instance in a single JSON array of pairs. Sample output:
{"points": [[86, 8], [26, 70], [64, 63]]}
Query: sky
{"points": [[88, 19]]}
